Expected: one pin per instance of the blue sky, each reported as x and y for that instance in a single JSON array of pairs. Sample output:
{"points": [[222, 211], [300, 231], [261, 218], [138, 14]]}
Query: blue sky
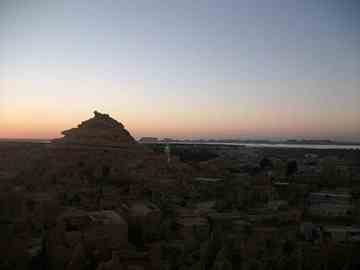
{"points": [[263, 69]]}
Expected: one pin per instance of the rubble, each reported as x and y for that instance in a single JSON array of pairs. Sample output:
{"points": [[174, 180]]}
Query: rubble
{"points": [[97, 199]]}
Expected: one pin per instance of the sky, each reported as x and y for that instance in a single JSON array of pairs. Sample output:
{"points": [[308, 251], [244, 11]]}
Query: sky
{"points": [[182, 69]]}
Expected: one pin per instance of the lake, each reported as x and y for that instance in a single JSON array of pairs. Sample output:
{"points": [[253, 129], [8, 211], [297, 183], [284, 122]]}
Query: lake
{"points": [[274, 145], [278, 145]]}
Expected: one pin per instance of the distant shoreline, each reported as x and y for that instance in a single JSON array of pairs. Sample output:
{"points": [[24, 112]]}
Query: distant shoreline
{"points": [[268, 145], [245, 143], [288, 142], [251, 141]]}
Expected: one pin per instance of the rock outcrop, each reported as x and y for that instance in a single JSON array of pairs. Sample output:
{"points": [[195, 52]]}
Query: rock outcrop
{"points": [[100, 130], [98, 153]]}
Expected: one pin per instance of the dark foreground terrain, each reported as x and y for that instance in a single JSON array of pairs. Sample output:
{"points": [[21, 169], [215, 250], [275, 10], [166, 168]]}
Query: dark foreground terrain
{"points": [[96, 199]]}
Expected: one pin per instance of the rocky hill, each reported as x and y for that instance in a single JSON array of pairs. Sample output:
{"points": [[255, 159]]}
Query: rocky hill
{"points": [[100, 130]]}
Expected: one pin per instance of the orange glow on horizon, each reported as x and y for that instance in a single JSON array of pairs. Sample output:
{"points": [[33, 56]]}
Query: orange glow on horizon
{"points": [[38, 114]]}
